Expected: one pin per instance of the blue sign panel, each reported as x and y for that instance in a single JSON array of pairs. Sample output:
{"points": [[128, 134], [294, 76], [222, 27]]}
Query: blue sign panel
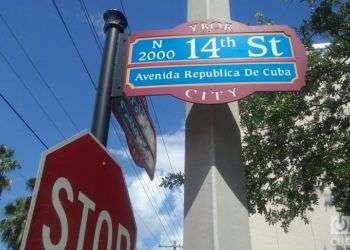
{"points": [[250, 73], [211, 47]]}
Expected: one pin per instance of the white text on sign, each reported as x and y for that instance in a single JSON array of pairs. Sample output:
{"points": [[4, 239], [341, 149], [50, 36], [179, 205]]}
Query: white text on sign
{"points": [[63, 185], [212, 47]]}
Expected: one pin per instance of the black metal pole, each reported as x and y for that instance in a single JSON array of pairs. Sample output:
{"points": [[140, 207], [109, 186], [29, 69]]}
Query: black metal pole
{"points": [[115, 23]]}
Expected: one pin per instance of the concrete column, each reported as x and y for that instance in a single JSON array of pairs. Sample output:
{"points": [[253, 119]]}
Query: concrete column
{"points": [[216, 216]]}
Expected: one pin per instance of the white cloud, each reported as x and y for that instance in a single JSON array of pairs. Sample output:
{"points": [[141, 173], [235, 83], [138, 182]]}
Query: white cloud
{"points": [[119, 153], [151, 203], [158, 212], [175, 144], [175, 147], [320, 45]]}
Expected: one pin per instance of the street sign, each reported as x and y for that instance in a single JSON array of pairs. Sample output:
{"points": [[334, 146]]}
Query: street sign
{"points": [[214, 61], [80, 200], [132, 114]]}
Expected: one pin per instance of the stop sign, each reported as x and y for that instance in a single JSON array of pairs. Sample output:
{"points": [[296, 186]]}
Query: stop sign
{"points": [[80, 200]]}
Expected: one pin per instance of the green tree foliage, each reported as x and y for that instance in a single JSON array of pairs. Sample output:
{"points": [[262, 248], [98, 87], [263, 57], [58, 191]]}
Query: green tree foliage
{"points": [[173, 180], [15, 213], [7, 164], [15, 216], [261, 19], [297, 144]]}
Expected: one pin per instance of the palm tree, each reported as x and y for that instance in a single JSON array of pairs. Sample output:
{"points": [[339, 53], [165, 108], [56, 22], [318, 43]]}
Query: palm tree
{"points": [[15, 216], [7, 164]]}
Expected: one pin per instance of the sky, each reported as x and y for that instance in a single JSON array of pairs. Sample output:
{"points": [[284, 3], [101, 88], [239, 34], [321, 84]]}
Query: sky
{"points": [[63, 82]]}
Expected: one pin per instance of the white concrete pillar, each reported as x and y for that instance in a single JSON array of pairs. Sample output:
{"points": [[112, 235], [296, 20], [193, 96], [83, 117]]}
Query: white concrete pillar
{"points": [[216, 216]]}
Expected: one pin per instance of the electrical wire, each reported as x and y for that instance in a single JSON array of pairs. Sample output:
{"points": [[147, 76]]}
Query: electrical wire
{"points": [[161, 135], [40, 75], [45, 82], [124, 10], [154, 111], [158, 124], [143, 184], [73, 43], [36, 100], [91, 26], [81, 59], [24, 121], [145, 224], [94, 33]]}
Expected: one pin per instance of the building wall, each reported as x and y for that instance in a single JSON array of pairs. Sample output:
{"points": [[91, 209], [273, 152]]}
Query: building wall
{"points": [[313, 236]]}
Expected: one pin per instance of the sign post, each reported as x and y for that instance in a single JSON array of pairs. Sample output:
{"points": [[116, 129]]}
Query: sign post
{"points": [[80, 200], [115, 24], [131, 113]]}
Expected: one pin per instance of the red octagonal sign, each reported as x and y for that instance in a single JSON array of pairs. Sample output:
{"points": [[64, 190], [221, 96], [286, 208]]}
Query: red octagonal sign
{"points": [[80, 200]]}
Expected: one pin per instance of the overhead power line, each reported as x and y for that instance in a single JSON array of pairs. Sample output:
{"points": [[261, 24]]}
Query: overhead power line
{"points": [[144, 186], [38, 72], [73, 43], [123, 9], [84, 64], [126, 14], [150, 99], [174, 246], [24, 121], [161, 134], [91, 26], [26, 86], [167, 203], [94, 33], [145, 224], [147, 189]]}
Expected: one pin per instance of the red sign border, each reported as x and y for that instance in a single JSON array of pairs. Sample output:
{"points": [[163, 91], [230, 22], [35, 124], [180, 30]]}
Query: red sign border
{"points": [[300, 59], [39, 177]]}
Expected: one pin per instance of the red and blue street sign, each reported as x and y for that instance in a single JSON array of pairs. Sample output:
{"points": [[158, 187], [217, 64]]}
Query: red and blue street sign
{"points": [[214, 61]]}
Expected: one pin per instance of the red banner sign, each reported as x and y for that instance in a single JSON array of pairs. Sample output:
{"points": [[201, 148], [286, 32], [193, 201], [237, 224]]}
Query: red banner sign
{"points": [[135, 120]]}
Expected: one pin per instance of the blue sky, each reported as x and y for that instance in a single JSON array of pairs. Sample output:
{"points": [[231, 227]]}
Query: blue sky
{"points": [[38, 28]]}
